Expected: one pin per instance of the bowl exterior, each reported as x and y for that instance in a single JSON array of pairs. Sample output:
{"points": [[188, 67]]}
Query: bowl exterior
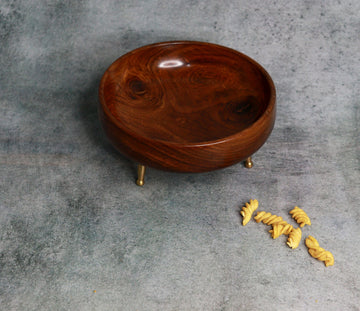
{"points": [[189, 158]]}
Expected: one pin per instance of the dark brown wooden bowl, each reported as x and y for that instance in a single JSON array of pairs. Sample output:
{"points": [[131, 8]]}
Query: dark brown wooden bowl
{"points": [[187, 106]]}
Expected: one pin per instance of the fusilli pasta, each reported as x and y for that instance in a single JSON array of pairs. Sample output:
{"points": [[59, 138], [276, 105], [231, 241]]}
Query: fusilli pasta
{"points": [[248, 210], [269, 219], [318, 252], [300, 216], [294, 238], [278, 230]]}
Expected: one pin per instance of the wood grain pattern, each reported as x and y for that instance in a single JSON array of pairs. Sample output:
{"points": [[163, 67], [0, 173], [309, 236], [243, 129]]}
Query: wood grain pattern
{"points": [[187, 106]]}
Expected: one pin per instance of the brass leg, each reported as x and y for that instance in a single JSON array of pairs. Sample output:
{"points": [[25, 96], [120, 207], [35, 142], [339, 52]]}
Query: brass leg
{"points": [[249, 163], [141, 174]]}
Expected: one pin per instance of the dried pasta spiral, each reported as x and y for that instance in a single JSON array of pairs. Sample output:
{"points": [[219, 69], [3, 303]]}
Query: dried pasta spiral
{"points": [[294, 238], [278, 229], [269, 219], [248, 210], [300, 216], [318, 252]]}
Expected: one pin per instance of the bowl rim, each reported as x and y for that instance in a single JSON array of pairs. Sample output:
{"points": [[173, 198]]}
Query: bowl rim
{"points": [[268, 111]]}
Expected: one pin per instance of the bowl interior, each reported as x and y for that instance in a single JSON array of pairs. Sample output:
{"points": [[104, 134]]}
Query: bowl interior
{"points": [[185, 92]]}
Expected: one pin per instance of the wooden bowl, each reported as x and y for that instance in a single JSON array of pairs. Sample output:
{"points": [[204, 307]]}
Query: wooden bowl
{"points": [[187, 106]]}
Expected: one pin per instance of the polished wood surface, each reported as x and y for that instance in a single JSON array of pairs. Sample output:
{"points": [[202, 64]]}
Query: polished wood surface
{"points": [[187, 106]]}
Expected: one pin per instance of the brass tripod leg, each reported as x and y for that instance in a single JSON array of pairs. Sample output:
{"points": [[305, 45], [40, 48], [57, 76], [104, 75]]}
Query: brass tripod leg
{"points": [[249, 163], [141, 174]]}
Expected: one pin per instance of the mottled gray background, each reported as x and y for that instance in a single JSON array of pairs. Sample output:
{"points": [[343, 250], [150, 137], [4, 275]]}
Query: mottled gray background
{"points": [[72, 219]]}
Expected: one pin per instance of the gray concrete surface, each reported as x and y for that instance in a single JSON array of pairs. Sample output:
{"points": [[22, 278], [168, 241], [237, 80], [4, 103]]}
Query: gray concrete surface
{"points": [[72, 220]]}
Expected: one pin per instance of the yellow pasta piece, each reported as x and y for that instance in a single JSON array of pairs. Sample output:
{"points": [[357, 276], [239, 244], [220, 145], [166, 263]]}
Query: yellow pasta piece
{"points": [[278, 230], [294, 238], [269, 219], [248, 210], [318, 252], [300, 216]]}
